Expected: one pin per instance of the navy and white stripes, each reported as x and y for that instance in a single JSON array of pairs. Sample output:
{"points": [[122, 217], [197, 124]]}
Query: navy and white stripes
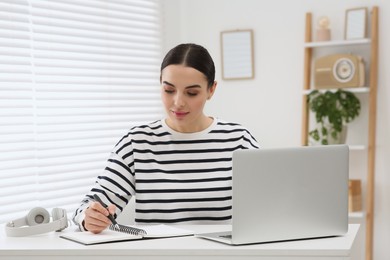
{"points": [[175, 177]]}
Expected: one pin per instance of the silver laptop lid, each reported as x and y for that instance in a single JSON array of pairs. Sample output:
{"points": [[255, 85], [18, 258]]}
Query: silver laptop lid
{"points": [[290, 193]]}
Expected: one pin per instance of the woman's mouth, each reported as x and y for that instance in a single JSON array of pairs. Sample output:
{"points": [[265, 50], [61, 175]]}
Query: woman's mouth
{"points": [[179, 114]]}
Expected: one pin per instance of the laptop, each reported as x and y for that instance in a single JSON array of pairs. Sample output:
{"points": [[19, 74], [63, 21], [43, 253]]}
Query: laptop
{"points": [[284, 194]]}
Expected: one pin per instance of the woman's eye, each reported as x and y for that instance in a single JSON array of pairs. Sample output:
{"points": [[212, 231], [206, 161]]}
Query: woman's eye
{"points": [[169, 91], [192, 94]]}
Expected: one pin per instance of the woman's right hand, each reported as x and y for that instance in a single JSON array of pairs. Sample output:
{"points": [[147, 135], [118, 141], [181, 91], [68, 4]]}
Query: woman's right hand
{"points": [[96, 219]]}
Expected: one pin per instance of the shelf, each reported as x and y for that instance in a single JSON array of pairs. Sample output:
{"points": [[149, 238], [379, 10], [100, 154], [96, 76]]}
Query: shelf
{"points": [[353, 147], [356, 215], [354, 90], [357, 147], [337, 43]]}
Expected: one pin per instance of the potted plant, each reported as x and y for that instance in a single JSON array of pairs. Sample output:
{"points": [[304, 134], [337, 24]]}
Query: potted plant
{"points": [[333, 110]]}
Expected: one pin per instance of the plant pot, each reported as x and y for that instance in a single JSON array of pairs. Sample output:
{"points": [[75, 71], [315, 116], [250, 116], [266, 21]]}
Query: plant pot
{"points": [[341, 138]]}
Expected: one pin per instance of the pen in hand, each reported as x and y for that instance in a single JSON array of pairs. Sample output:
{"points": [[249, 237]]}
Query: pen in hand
{"points": [[111, 217]]}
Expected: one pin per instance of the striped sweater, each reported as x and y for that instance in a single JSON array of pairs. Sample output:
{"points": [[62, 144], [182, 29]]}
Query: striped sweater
{"points": [[175, 177]]}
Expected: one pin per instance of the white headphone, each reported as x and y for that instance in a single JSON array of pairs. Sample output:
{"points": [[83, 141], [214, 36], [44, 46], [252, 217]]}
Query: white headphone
{"points": [[36, 222]]}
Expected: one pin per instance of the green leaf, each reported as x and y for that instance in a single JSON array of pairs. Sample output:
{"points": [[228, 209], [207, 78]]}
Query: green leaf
{"points": [[315, 135]]}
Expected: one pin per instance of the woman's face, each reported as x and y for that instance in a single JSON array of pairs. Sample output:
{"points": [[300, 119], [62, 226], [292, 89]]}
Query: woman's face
{"points": [[184, 93]]}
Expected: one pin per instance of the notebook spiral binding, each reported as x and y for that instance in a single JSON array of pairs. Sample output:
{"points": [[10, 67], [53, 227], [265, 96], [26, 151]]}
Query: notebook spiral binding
{"points": [[129, 230]]}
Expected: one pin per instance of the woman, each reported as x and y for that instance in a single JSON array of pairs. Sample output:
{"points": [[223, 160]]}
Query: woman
{"points": [[178, 168]]}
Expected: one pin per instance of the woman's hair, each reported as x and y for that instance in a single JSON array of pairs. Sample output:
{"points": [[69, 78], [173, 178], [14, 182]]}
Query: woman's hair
{"points": [[193, 56]]}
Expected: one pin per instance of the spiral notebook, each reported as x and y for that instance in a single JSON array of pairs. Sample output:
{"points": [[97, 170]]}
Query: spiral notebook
{"points": [[126, 233]]}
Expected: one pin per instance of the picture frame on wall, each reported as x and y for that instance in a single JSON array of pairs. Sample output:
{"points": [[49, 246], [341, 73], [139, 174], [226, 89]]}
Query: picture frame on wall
{"points": [[237, 54], [356, 23]]}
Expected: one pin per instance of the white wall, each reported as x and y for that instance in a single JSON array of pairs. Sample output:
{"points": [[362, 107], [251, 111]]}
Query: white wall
{"points": [[270, 104]]}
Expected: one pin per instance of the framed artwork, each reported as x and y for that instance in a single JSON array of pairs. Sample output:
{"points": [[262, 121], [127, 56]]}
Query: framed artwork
{"points": [[356, 23], [237, 54]]}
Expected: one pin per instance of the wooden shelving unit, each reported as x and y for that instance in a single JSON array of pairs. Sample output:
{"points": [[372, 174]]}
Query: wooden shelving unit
{"points": [[354, 90], [370, 90]]}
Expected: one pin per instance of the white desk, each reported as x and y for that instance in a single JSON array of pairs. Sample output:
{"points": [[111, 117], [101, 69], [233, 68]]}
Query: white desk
{"points": [[50, 246]]}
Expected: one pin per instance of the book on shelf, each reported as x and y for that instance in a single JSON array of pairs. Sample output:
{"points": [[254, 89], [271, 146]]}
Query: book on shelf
{"points": [[126, 233]]}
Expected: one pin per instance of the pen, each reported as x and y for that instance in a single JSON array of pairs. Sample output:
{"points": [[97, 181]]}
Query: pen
{"points": [[96, 197]]}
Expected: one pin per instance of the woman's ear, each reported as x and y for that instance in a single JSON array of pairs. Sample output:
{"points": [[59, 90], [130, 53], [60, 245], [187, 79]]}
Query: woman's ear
{"points": [[211, 90]]}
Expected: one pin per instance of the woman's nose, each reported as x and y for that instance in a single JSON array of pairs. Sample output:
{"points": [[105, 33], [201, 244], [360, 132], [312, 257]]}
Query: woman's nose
{"points": [[179, 101]]}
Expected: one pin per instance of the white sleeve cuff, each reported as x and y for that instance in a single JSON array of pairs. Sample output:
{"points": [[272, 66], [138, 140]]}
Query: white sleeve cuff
{"points": [[79, 218]]}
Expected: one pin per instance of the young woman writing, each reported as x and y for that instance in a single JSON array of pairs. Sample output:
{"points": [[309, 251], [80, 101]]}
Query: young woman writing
{"points": [[179, 168]]}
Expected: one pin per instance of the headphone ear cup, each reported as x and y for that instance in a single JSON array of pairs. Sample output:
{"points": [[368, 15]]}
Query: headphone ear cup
{"points": [[37, 216]]}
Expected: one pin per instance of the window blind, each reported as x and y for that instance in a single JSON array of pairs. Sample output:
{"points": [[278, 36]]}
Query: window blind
{"points": [[74, 77]]}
